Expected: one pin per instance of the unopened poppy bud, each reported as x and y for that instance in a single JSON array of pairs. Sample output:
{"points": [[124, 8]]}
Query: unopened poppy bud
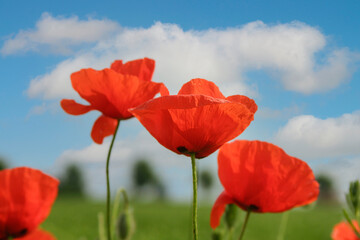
{"points": [[230, 215], [125, 225], [217, 234]]}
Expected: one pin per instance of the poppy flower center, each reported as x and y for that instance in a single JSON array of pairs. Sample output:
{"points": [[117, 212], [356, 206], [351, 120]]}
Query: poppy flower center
{"points": [[182, 149], [253, 208], [21, 233]]}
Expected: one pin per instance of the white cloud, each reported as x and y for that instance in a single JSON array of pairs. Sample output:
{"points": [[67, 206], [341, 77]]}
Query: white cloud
{"points": [[59, 35], [287, 51], [174, 170], [309, 137]]}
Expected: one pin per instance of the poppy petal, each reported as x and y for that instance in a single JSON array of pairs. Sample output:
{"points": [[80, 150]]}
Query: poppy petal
{"points": [[142, 68], [201, 86], [96, 87], [38, 234], [117, 65], [193, 123], [163, 90], [112, 93], [103, 127], [343, 231], [251, 105], [263, 176], [26, 197], [74, 108], [218, 209]]}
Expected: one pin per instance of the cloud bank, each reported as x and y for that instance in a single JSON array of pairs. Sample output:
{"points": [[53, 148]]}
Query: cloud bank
{"points": [[309, 137], [58, 35], [295, 54]]}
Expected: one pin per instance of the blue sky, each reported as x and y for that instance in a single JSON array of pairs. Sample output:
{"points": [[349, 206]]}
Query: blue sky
{"points": [[299, 60]]}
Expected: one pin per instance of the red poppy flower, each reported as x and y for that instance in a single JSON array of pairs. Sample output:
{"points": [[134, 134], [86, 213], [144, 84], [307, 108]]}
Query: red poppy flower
{"points": [[37, 234], [261, 177], [197, 120], [112, 92], [26, 197], [343, 231]]}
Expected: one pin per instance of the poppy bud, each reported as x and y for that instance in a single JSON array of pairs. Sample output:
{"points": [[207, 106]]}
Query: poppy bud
{"points": [[230, 215], [353, 197], [125, 225]]}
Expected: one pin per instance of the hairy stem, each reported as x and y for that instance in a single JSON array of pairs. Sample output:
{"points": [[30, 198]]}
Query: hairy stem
{"points": [[108, 193], [194, 211], [245, 223]]}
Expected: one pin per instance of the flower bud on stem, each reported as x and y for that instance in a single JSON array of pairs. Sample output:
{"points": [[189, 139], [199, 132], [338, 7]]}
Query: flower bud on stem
{"points": [[125, 225]]}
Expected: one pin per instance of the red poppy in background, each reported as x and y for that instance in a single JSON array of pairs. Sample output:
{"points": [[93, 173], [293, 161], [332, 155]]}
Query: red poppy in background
{"points": [[112, 92], [199, 119], [37, 234], [343, 231], [26, 197], [261, 177]]}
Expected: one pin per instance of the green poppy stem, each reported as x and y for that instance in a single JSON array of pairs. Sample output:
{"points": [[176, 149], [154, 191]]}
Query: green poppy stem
{"points": [[283, 224], [245, 223], [194, 212], [108, 193]]}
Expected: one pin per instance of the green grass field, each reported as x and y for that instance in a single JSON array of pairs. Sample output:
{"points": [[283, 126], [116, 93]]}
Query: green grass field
{"points": [[75, 219]]}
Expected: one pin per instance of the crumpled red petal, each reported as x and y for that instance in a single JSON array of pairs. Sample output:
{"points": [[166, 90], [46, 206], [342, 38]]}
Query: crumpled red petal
{"points": [[38, 234], [262, 176], [26, 197], [74, 108], [201, 86], [193, 123], [112, 93], [219, 208], [343, 231], [103, 127], [251, 105], [142, 68]]}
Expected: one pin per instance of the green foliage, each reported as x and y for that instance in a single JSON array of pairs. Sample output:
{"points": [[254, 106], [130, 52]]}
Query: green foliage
{"points": [[217, 234], [72, 182], [73, 219], [353, 198], [353, 202], [230, 215]]}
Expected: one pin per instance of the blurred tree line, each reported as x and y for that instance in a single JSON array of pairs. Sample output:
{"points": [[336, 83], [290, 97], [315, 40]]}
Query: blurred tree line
{"points": [[147, 183], [72, 182], [3, 163]]}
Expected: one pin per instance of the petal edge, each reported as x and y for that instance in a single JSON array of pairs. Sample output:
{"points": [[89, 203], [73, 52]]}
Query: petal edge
{"points": [[219, 207], [70, 106], [103, 127]]}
